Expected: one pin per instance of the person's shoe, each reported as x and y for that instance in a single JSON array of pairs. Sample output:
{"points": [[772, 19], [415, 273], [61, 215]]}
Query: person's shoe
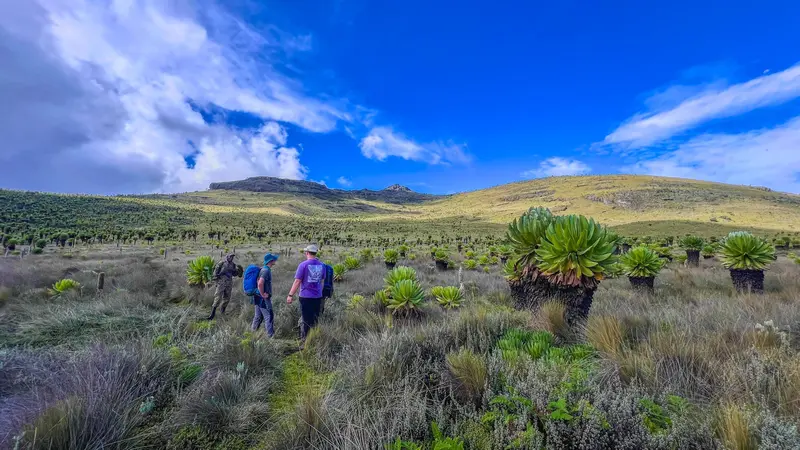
{"points": [[213, 313]]}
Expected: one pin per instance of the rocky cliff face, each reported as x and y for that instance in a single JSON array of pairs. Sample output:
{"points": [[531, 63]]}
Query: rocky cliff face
{"points": [[393, 194]]}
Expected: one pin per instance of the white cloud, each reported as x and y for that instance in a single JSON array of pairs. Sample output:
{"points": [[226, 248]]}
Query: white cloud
{"points": [[383, 142], [344, 182], [557, 167], [766, 157], [714, 103], [114, 85]]}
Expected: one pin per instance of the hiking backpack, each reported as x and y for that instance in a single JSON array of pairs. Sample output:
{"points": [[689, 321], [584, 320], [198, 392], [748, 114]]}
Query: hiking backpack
{"points": [[327, 288], [250, 280]]}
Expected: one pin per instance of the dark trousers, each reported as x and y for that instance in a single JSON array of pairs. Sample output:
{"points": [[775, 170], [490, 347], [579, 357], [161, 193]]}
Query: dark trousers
{"points": [[309, 314]]}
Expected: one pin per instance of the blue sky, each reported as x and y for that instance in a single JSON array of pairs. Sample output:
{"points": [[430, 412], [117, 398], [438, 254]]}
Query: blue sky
{"points": [[443, 96]]}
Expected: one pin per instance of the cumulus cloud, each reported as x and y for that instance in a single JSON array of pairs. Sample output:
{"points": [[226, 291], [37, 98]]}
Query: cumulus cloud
{"points": [[766, 157], [558, 167], [344, 182], [384, 142], [715, 102], [104, 96]]}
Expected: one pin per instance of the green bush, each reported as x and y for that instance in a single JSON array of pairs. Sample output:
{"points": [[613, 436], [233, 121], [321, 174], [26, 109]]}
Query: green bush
{"points": [[449, 297], [338, 272], [200, 271], [405, 296], [65, 285], [351, 263], [692, 243], [641, 261], [391, 255], [575, 251], [742, 250], [400, 273]]}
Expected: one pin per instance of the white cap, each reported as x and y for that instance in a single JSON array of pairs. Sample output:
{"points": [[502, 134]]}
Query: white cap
{"points": [[311, 249]]}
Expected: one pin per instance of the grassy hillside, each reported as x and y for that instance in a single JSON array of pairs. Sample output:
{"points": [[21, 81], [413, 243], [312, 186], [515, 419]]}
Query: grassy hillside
{"points": [[633, 205]]}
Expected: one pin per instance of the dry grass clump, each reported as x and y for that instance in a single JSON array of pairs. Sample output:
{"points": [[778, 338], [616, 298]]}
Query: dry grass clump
{"points": [[694, 365]]}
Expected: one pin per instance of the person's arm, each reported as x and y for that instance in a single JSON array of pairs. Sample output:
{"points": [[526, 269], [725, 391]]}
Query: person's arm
{"points": [[261, 288], [293, 290]]}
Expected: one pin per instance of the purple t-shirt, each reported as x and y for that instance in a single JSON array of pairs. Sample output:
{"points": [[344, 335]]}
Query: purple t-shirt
{"points": [[311, 274]]}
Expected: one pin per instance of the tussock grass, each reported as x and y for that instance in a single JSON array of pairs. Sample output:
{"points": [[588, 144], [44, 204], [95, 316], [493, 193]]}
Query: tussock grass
{"points": [[136, 366]]}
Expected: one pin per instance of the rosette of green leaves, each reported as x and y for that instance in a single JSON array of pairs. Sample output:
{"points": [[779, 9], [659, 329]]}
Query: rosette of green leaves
{"points": [[742, 250], [692, 243], [391, 255], [200, 271], [448, 296], [400, 273], [575, 251], [405, 296], [641, 261], [526, 233]]}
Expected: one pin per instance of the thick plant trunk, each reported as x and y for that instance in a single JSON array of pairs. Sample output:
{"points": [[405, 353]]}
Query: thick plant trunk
{"points": [[441, 265], [693, 258], [390, 265], [708, 256], [642, 283], [531, 294], [748, 280]]}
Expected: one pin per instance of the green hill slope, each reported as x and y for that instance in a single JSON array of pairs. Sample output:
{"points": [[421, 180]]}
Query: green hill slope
{"points": [[633, 205]]}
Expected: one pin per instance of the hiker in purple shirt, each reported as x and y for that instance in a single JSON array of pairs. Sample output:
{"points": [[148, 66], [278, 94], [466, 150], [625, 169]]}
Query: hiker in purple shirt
{"points": [[308, 279]]}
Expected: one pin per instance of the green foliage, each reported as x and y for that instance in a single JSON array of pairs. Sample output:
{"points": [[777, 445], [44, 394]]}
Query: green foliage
{"points": [[162, 340], [65, 285], [641, 261], [526, 233], [742, 250], [441, 255], [484, 260], [441, 442], [709, 250], [576, 251], [351, 263], [367, 255], [541, 345], [399, 444], [512, 270], [558, 410], [692, 243], [189, 374], [470, 264], [391, 255], [200, 271], [41, 243], [405, 296], [469, 370], [449, 297], [400, 273], [355, 301], [338, 272], [37, 251]]}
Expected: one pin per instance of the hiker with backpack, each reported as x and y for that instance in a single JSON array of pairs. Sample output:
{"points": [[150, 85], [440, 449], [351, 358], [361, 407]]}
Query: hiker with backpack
{"points": [[223, 277], [308, 281], [258, 285]]}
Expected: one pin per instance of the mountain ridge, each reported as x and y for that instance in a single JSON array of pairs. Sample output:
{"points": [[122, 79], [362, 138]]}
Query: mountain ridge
{"points": [[396, 193]]}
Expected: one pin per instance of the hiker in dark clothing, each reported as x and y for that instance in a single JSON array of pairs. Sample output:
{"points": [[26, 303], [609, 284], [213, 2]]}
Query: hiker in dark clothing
{"points": [[308, 280], [263, 299], [223, 276]]}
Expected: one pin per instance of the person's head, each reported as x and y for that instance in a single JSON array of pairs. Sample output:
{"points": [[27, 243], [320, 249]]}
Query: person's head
{"points": [[230, 257], [270, 259], [311, 251]]}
